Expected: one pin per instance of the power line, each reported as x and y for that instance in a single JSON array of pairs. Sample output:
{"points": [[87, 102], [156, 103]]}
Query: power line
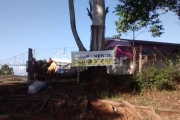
{"points": [[57, 48], [42, 49]]}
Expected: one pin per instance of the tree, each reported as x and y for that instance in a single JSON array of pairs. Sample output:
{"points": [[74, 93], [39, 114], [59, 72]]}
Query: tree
{"points": [[97, 14], [5, 69], [135, 15]]}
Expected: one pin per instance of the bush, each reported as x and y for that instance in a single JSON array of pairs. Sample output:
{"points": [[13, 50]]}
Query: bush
{"points": [[166, 79], [150, 78]]}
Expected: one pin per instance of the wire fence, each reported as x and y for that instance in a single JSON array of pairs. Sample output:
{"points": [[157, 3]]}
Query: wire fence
{"points": [[18, 62], [56, 53]]}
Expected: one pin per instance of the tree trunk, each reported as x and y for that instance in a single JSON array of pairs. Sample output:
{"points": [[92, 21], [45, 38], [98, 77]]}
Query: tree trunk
{"points": [[97, 33], [98, 25], [73, 26]]}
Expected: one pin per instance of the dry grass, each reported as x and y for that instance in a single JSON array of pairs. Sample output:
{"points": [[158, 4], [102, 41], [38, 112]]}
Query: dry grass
{"points": [[165, 103], [153, 99], [12, 81]]}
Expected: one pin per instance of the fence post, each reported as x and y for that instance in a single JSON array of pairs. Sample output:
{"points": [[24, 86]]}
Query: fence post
{"points": [[30, 55], [78, 74]]}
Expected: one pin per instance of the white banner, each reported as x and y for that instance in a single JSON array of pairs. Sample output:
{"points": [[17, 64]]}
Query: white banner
{"points": [[92, 58]]}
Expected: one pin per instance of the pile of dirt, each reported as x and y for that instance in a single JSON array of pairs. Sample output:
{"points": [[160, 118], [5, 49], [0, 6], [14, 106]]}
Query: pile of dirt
{"points": [[125, 111]]}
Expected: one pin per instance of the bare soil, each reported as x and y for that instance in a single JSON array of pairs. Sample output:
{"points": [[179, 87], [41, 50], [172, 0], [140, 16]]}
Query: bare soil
{"points": [[86, 101]]}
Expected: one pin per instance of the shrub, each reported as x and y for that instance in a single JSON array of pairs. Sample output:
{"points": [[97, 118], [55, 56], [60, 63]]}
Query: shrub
{"points": [[166, 79], [151, 78]]}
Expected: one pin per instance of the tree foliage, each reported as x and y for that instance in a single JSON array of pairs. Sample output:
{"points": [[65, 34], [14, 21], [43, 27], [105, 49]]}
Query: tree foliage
{"points": [[137, 14], [5, 69]]}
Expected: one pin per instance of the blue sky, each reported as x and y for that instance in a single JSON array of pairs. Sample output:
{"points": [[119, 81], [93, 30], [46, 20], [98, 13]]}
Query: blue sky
{"points": [[45, 24]]}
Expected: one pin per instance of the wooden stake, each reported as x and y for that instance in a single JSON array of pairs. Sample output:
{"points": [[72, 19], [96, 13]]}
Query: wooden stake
{"points": [[140, 58], [78, 73]]}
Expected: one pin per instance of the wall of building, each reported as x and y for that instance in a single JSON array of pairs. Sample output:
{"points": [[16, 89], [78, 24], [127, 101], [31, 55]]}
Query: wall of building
{"points": [[159, 62]]}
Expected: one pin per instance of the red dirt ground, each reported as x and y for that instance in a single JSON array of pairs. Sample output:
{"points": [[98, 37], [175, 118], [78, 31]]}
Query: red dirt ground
{"points": [[82, 101]]}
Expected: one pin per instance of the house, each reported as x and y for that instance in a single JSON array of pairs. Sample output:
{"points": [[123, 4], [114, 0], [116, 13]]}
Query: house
{"points": [[157, 54]]}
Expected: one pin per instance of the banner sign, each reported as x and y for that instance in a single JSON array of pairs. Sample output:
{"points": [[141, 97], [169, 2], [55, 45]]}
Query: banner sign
{"points": [[92, 58]]}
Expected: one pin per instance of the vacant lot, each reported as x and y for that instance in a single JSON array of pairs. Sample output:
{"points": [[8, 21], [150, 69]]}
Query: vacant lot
{"points": [[74, 101]]}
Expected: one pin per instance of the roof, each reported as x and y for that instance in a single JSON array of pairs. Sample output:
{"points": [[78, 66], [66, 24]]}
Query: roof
{"points": [[111, 42]]}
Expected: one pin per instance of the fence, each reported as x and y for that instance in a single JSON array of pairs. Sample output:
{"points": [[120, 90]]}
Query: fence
{"points": [[23, 64], [16, 63], [144, 59], [55, 53]]}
